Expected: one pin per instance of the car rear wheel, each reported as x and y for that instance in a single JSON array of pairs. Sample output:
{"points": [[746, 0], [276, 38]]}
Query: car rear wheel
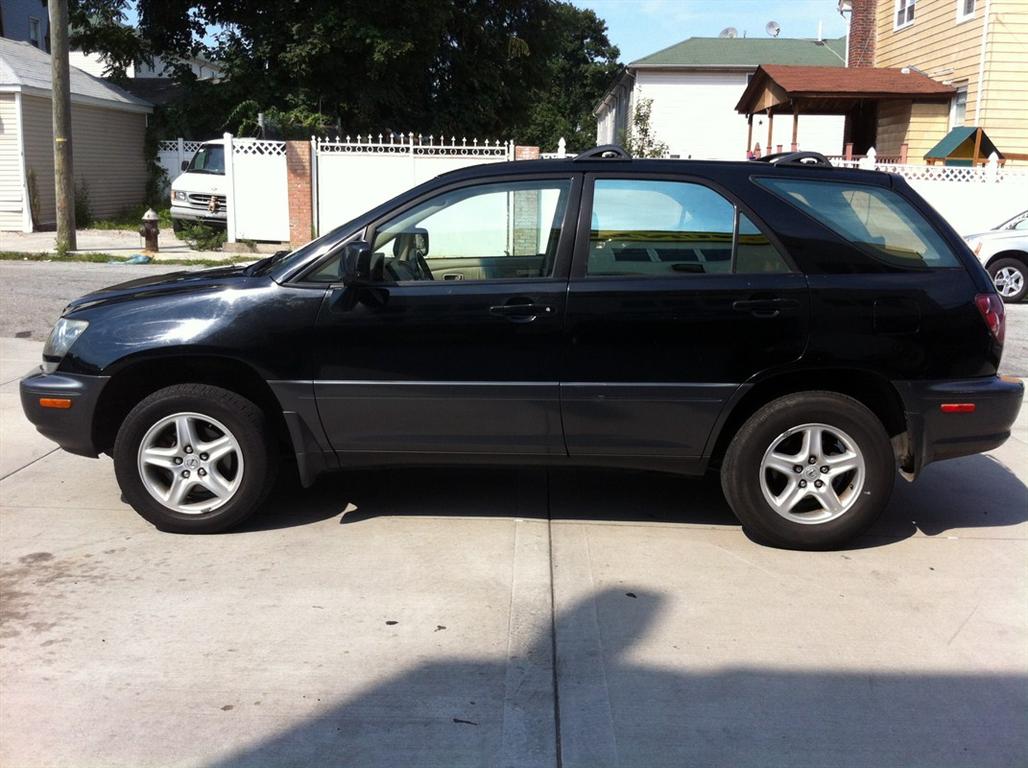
{"points": [[1010, 276], [193, 458], [809, 471]]}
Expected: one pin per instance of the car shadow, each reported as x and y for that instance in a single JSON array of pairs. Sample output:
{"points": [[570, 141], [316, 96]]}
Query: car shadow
{"points": [[606, 702], [973, 492]]}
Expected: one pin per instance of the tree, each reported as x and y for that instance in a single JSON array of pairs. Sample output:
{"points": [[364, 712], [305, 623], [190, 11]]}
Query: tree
{"points": [[640, 141], [530, 69]]}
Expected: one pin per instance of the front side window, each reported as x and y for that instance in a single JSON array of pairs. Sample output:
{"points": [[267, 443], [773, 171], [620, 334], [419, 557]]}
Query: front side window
{"points": [[667, 228], [500, 231], [210, 158], [904, 12], [876, 219]]}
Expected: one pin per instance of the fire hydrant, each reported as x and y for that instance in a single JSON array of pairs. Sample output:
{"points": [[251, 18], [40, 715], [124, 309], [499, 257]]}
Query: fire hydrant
{"points": [[150, 230]]}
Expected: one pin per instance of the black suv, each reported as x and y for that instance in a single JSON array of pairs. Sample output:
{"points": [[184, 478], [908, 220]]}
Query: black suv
{"points": [[805, 329]]}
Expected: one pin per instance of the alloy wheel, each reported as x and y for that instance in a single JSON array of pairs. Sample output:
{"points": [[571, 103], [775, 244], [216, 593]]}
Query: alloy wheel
{"points": [[190, 463], [1009, 281], [812, 473]]}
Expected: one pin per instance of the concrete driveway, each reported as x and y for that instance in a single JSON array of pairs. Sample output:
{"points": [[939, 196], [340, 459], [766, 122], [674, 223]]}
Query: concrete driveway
{"points": [[505, 618]]}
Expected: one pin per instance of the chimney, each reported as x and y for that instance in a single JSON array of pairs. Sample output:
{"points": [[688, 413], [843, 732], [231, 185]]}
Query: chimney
{"points": [[861, 52]]}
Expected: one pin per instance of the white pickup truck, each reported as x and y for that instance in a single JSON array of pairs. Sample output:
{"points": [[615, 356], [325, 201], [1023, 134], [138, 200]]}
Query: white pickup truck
{"points": [[198, 194]]}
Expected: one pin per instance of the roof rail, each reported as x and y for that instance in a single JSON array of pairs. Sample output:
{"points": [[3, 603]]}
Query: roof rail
{"points": [[604, 152], [797, 158]]}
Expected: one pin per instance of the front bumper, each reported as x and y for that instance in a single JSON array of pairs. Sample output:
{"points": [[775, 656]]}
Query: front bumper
{"points": [[935, 435], [71, 428], [201, 215]]}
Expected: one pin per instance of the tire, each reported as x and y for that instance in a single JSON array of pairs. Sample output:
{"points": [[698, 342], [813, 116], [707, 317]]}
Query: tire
{"points": [[1010, 276], [219, 489], [851, 435]]}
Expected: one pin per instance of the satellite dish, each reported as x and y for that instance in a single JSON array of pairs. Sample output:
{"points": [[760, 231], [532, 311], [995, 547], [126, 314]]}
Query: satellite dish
{"points": [[728, 32], [773, 28]]}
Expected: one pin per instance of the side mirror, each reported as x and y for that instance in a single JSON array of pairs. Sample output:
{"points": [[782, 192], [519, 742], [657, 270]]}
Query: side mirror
{"points": [[185, 164], [355, 263]]}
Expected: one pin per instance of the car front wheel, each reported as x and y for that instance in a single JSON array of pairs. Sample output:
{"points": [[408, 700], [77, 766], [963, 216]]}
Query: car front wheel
{"points": [[1010, 276], [809, 471], [193, 458]]}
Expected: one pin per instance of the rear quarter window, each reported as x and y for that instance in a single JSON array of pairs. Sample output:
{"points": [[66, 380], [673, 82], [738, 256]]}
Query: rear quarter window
{"points": [[875, 219]]}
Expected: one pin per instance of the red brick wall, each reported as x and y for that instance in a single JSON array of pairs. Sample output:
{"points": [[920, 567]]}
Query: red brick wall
{"points": [[298, 177], [526, 153], [862, 34]]}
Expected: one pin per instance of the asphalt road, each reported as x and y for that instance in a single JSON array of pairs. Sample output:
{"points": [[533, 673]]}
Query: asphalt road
{"points": [[32, 295]]}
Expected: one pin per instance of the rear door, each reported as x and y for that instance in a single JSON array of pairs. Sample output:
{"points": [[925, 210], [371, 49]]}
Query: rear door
{"points": [[678, 296]]}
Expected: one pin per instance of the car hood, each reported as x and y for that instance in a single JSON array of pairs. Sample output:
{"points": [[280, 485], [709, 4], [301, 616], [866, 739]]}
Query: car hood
{"points": [[164, 284], [998, 234]]}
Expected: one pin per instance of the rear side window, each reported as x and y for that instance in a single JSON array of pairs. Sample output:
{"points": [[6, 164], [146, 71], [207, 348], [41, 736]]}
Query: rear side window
{"points": [[666, 228], [874, 218]]}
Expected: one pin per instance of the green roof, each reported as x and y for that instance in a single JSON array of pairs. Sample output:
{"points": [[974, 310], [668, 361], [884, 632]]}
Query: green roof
{"points": [[726, 52], [959, 143]]}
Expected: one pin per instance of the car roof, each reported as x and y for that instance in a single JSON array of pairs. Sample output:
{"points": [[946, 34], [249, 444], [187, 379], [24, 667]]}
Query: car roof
{"points": [[703, 168]]}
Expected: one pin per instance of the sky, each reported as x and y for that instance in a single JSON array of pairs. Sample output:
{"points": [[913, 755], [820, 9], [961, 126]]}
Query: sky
{"points": [[641, 27]]}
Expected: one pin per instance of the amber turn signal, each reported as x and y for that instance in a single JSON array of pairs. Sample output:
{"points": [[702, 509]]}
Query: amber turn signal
{"points": [[55, 402]]}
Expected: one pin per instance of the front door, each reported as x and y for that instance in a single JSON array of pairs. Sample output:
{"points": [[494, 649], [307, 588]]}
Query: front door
{"points": [[677, 298], [454, 346]]}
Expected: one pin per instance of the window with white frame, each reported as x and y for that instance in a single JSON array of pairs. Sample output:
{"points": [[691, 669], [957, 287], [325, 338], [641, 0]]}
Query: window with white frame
{"points": [[904, 13], [958, 107], [965, 9], [35, 37]]}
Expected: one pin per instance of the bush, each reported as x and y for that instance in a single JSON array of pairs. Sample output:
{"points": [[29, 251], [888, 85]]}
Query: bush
{"points": [[83, 208], [201, 237]]}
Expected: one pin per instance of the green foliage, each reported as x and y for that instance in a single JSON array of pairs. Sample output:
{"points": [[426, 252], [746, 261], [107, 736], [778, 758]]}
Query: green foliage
{"points": [[492, 69], [640, 141], [132, 218], [83, 206], [201, 237]]}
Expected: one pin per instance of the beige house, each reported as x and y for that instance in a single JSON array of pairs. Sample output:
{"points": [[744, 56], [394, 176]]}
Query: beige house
{"points": [[980, 47], [108, 133]]}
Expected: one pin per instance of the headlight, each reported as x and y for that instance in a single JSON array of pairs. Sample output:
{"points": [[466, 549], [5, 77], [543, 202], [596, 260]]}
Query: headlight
{"points": [[178, 196], [61, 338]]}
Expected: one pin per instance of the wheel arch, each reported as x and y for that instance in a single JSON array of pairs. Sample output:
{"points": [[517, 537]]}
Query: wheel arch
{"points": [[871, 389], [140, 377], [1020, 256]]}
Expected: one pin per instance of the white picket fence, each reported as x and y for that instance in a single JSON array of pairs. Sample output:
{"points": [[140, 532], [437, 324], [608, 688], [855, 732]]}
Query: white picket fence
{"points": [[171, 155], [970, 199], [353, 176]]}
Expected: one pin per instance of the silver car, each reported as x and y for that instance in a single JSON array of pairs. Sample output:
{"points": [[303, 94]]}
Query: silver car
{"points": [[1004, 252]]}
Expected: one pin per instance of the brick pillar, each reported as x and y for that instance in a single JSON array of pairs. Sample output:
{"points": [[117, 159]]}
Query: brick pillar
{"points": [[862, 33], [298, 179], [526, 153]]}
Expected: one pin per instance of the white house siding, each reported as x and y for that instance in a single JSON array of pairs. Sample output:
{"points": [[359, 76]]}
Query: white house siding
{"points": [[107, 150], [10, 165], [694, 114]]}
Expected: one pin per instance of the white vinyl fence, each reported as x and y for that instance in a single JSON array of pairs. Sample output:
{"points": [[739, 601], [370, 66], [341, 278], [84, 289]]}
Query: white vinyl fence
{"points": [[351, 177], [970, 199], [171, 155], [258, 191]]}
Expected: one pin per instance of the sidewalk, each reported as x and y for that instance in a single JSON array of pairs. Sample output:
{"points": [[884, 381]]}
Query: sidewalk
{"points": [[113, 241]]}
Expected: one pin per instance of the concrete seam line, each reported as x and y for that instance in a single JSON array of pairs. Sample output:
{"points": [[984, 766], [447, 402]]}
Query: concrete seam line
{"points": [[25, 466]]}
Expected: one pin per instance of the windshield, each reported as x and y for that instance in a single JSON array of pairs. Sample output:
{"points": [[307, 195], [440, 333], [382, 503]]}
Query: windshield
{"points": [[210, 158], [1019, 222]]}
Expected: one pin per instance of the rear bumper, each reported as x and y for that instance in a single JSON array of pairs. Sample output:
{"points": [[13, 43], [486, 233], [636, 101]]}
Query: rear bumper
{"points": [[71, 428], [935, 435]]}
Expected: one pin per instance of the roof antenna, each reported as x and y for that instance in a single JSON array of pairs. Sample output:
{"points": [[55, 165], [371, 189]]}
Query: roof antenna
{"points": [[773, 28]]}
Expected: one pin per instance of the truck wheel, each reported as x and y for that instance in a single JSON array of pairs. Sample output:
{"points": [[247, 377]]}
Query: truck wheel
{"points": [[1010, 276], [194, 458], [177, 225], [809, 471]]}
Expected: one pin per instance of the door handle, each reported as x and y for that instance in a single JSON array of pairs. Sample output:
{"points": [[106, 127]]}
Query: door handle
{"points": [[765, 308], [520, 312]]}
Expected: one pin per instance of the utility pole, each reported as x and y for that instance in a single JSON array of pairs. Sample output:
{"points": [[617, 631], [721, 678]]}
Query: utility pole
{"points": [[64, 176]]}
